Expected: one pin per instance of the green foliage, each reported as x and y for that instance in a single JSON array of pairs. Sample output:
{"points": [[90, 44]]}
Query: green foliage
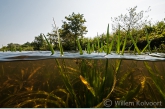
{"points": [[88, 48], [4, 48], [38, 42], [50, 46], [59, 40], [73, 27], [158, 82], [118, 41], [134, 43], [107, 40], [79, 47], [131, 31]]}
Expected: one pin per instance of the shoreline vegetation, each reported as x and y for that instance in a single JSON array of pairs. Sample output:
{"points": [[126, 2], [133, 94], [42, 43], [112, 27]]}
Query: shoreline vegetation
{"points": [[88, 82], [131, 32]]}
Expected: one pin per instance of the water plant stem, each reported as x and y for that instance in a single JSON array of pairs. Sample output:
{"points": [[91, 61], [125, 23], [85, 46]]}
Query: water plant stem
{"points": [[137, 49], [79, 47], [50, 45], [59, 41], [118, 41], [107, 40]]}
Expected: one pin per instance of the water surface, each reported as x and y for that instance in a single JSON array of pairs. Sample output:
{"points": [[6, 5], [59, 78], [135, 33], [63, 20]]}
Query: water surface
{"points": [[37, 55]]}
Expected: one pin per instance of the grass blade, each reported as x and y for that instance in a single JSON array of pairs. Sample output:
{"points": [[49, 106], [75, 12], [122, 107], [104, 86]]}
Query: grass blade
{"points": [[157, 81], [132, 93], [149, 48], [125, 40], [137, 49], [118, 42], [107, 39], [79, 47], [59, 41], [68, 85], [50, 45], [111, 44], [148, 45]]}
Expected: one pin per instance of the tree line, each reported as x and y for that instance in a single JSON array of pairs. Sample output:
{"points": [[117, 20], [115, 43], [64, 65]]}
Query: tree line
{"points": [[74, 28]]}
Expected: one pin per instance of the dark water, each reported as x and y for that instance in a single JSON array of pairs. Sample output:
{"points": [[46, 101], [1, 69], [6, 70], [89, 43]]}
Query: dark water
{"points": [[36, 79]]}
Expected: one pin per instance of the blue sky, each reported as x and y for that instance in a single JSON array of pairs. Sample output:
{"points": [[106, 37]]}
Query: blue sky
{"points": [[22, 20]]}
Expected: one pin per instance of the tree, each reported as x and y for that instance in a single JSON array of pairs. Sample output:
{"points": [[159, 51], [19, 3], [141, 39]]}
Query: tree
{"points": [[27, 44], [53, 38], [132, 20], [73, 28], [38, 42]]}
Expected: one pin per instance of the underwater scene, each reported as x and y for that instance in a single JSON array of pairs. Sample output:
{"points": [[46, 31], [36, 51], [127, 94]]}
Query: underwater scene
{"points": [[36, 79]]}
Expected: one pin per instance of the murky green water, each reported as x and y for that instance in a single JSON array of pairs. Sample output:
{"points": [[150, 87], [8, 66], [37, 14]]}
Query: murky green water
{"points": [[39, 80]]}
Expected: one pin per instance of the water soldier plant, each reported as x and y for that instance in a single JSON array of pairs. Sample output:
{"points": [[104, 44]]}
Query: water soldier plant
{"points": [[85, 82], [91, 79], [94, 81]]}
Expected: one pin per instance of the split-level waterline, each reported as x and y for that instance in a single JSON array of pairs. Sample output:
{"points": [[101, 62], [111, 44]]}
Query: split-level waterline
{"points": [[88, 78]]}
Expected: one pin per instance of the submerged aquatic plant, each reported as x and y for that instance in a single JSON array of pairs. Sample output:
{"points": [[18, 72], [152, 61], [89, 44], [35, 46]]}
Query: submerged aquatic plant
{"points": [[157, 80], [35, 99], [67, 83], [93, 77]]}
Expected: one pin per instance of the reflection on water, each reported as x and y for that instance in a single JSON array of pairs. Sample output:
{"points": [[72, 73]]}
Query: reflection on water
{"points": [[42, 83]]}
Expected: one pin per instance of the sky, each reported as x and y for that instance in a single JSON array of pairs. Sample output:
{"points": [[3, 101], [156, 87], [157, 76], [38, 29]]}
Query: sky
{"points": [[22, 20]]}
